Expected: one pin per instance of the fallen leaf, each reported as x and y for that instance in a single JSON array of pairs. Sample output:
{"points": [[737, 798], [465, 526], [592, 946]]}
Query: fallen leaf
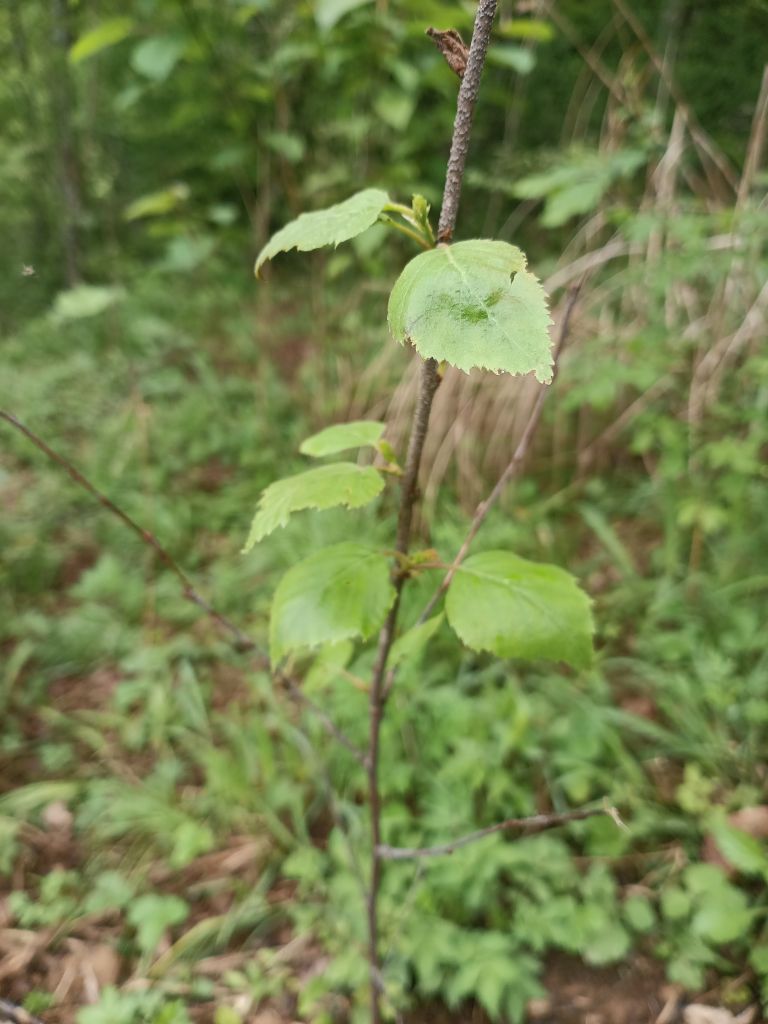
{"points": [[57, 816], [698, 1013]]}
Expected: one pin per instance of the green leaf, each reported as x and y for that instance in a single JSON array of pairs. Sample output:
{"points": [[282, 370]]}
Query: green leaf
{"points": [[341, 436], [336, 224], [105, 34], [395, 108], [156, 204], [111, 891], [474, 304], [518, 58], [113, 1007], [687, 973], [758, 960], [675, 903], [85, 300], [577, 183], [724, 917], [226, 1015], [329, 664], [156, 57], [519, 609], [581, 197], [328, 12], [185, 252], [151, 914], [702, 878], [527, 28], [411, 644], [610, 944], [639, 915], [340, 483], [286, 144], [338, 593], [743, 851]]}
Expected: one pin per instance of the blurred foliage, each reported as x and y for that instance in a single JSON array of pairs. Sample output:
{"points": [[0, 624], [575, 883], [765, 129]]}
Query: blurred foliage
{"points": [[146, 152]]}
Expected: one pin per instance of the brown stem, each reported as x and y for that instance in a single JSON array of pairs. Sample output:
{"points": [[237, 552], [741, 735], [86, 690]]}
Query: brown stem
{"points": [[527, 826], [429, 379], [427, 387], [240, 640], [17, 1014], [462, 126]]}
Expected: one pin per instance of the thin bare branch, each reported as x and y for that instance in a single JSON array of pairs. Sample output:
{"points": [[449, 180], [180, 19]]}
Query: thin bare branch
{"points": [[701, 139], [240, 640], [462, 126], [526, 826]]}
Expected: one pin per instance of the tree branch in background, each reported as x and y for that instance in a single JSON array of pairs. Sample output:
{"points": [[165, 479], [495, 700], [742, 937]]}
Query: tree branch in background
{"points": [[526, 826], [702, 140], [240, 640], [14, 1014]]}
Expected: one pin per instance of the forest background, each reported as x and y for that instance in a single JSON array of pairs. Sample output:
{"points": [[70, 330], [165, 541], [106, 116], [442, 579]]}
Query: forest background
{"points": [[174, 830]]}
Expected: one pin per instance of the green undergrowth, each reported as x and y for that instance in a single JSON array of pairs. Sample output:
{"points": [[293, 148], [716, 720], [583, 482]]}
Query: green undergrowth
{"points": [[164, 751]]}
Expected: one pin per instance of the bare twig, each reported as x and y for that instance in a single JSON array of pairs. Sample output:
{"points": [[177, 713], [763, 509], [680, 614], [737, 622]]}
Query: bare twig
{"points": [[240, 640], [462, 126], [14, 1014], [428, 382], [526, 826], [427, 387]]}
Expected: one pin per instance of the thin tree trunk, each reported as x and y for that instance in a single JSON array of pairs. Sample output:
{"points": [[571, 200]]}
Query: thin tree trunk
{"points": [[68, 176], [428, 382]]}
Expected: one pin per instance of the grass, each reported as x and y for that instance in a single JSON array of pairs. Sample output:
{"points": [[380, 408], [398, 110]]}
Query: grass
{"points": [[166, 810]]}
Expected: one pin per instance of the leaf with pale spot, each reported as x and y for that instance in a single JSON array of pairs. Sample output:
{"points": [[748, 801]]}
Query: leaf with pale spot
{"points": [[331, 226], [340, 483], [338, 593], [519, 609], [474, 304], [341, 436]]}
